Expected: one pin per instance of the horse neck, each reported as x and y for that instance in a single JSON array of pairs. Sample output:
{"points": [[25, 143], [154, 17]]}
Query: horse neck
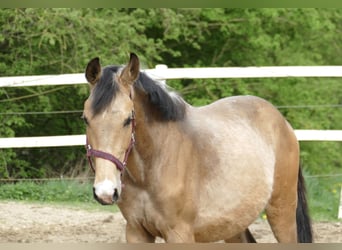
{"points": [[150, 137]]}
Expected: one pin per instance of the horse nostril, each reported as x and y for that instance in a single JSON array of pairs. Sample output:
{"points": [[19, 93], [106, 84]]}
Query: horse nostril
{"points": [[115, 195]]}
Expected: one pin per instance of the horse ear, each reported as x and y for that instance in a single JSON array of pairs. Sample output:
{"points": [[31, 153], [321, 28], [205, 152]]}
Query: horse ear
{"points": [[132, 70], [93, 71]]}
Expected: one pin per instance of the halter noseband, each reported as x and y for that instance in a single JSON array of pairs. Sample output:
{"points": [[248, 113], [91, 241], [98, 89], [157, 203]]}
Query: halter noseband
{"points": [[120, 165]]}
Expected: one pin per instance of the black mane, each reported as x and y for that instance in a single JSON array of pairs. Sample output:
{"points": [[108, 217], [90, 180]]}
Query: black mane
{"points": [[171, 107], [105, 90]]}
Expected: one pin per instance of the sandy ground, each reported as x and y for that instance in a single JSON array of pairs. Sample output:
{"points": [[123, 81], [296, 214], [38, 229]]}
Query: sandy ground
{"points": [[33, 223]]}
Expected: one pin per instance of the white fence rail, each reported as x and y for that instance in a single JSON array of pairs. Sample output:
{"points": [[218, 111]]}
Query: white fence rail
{"points": [[161, 72], [43, 141]]}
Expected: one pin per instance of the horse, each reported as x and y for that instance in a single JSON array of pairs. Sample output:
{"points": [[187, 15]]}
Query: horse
{"points": [[186, 173]]}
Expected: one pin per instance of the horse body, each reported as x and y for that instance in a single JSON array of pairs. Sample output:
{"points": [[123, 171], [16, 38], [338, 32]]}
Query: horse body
{"points": [[200, 174], [203, 160], [225, 197]]}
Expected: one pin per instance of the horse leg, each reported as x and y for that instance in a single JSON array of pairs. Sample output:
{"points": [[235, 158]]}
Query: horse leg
{"points": [[281, 209], [244, 237], [291, 223], [138, 234], [282, 218]]}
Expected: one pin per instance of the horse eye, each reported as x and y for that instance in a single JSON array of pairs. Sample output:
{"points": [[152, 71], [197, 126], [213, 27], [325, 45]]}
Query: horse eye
{"points": [[127, 121], [84, 118]]}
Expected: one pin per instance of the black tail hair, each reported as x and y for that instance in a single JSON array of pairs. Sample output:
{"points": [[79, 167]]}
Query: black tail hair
{"points": [[304, 229], [249, 236]]}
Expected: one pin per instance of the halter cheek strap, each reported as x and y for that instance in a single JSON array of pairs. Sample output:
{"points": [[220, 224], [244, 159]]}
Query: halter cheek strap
{"points": [[120, 165]]}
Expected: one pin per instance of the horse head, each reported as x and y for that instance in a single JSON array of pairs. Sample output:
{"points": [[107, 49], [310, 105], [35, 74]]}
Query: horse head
{"points": [[109, 118]]}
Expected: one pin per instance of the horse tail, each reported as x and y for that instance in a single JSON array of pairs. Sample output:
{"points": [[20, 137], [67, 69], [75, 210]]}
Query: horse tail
{"points": [[249, 236], [304, 228]]}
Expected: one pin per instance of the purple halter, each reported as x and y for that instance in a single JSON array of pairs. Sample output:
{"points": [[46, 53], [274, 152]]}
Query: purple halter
{"points": [[120, 165]]}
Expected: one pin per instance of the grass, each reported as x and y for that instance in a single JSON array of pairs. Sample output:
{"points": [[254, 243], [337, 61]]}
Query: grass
{"points": [[47, 191], [61, 193], [323, 195]]}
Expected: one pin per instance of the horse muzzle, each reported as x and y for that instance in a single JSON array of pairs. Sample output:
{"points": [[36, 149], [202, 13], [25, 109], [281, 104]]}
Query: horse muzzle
{"points": [[108, 199], [106, 193]]}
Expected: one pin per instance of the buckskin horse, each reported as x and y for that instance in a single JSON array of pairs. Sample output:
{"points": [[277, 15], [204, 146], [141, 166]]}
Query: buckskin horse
{"points": [[187, 173]]}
